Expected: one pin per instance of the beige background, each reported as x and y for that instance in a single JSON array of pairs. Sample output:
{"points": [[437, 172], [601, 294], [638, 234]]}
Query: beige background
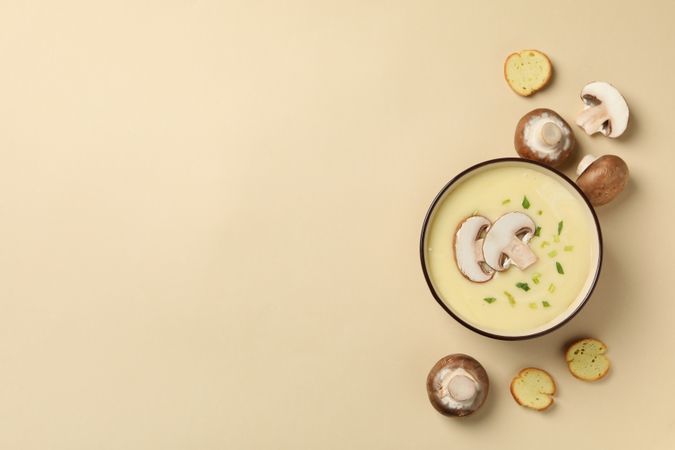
{"points": [[209, 220]]}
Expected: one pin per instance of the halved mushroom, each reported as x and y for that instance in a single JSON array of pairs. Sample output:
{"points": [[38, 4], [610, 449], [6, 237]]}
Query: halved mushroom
{"points": [[603, 178], [469, 249], [457, 385], [605, 110], [506, 242], [543, 136]]}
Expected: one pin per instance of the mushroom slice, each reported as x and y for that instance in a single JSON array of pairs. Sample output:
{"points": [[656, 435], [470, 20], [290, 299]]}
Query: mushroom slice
{"points": [[543, 136], [506, 242], [469, 249], [603, 178], [605, 110], [457, 385]]}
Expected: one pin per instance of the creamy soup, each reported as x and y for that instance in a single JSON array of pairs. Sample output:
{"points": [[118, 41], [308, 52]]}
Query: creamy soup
{"points": [[521, 215]]}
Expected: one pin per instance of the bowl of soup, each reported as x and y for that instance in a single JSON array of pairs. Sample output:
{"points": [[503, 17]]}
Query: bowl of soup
{"points": [[510, 248]]}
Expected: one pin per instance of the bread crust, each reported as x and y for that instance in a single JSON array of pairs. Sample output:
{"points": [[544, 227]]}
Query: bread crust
{"points": [[569, 366], [550, 395], [546, 80]]}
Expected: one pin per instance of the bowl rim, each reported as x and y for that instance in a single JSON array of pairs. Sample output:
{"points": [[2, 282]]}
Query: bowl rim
{"points": [[436, 201]]}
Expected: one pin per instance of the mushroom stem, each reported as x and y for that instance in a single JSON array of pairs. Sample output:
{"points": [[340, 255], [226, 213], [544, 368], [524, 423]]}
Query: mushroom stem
{"points": [[551, 134], [461, 388], [520, 254], [584, 163], [594, 119]]}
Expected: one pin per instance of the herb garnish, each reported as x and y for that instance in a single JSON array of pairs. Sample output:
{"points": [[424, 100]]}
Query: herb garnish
{"points": [[569, 248], [545, 303], [490, 299], [560, 227], [552, 253], [537, 231], [559, 268], [551, 288], [533, 305], [526, 202], [512, 301], [536, 277], [523, 286], [506, 201], [545, 244]]}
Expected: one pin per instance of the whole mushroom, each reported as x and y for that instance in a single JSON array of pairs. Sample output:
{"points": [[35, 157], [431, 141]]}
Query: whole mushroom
{"points": [[457, 385], [543, 136], [605, 110], [506, 242], [603, 178]]}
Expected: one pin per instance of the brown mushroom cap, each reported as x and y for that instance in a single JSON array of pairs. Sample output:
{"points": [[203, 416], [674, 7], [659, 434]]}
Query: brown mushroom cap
{"points": [[604, 179], [457, 385], [543, 136]]}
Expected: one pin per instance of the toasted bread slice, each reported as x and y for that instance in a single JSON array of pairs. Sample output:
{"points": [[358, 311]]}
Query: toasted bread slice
{"points": [[586, 359], [533, 388], [527, 71]]}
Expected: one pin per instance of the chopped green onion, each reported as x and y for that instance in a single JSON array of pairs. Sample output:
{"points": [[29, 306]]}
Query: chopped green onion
{"points": [[526, 202], [537, 231], [533, 305], [552, 253], [559, 267], [536, 277], [545, 303], [560, 227], [490, 299], [540, 212], [551, 288], [506, 201], [523, 286], [569, 248], [512, 301], [545, 244], [556, 238]]}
